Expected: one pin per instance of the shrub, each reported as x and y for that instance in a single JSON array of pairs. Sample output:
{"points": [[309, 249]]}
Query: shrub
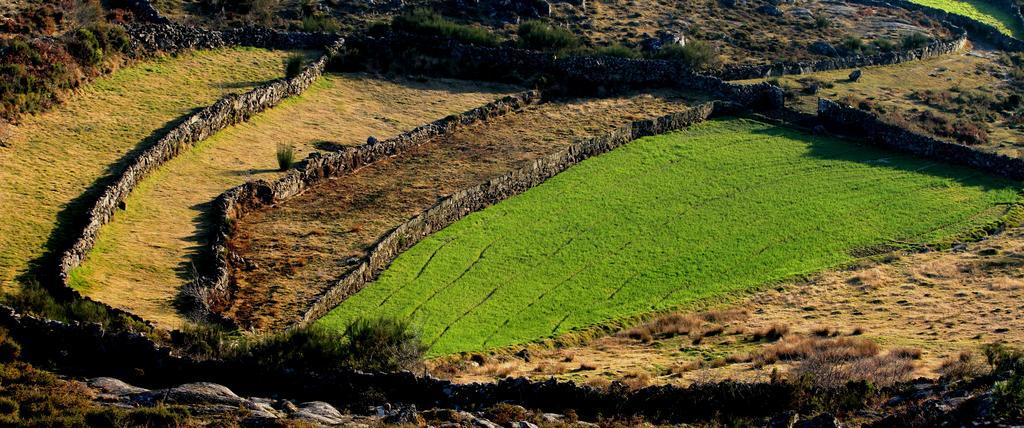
{"points": [[383, 344], [915, 41], [204, 340], [616, 50], [538, 35], [696, 54], [426, 21], [33, 299], [86, 47], [1008, 396], [852, 44], [884, 45], [285, 156], [822, 21], [293, 65], [772, 333], [320, 23]]}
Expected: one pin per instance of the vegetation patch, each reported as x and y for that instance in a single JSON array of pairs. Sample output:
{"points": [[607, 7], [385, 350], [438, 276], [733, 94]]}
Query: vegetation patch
{"points": [[723, 207], [982, 11]]}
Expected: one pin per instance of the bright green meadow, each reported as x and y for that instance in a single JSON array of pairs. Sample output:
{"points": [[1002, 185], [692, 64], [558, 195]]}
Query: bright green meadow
{"points": [[981, 11], [725, 206]]}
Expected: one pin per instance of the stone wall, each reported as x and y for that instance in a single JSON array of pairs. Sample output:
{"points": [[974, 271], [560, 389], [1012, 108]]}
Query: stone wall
{"points": [[227, 111], [151, 37], [934, 49], [976, 30], [848, 120], [604, 72], [495, 190], [209, 295]]}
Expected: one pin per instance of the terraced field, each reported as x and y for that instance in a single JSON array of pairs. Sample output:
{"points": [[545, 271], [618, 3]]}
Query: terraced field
{"points": [[981, 11], [55, 162], [154, 241], [723, 207], [299, 248]]}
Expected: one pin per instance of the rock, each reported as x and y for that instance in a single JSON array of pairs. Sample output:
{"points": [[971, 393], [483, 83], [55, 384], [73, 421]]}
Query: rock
{"points": [[822, 47], [319, 412], [113, 387], [552, 417], [200, 393], [523, 424], [447, 415], [770, 10], [524, 354], [802, 13], [483, 423], [662, 39], [404, 416], [824, 420], [855, 75], [371, 140]]}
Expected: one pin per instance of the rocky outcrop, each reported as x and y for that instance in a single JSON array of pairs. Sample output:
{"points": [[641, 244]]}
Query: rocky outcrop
{"points": [[848, 120], [227, 111], [213, 292], [471, 200], [144, 11]]}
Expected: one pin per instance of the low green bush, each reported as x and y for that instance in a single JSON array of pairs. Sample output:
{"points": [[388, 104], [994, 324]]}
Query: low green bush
{"points": [[320, 23], [33, 299], [541, 36], [915, 41], [293, 65], [383, 344], [617, 51], [426, 21], [696, 54], [285, 156]]}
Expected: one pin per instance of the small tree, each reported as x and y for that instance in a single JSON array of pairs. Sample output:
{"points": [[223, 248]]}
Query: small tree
{"points": [[293, 65], [285, 156]]}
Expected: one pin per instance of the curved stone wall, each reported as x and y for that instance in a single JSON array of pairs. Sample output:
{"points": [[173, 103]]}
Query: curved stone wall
{"points": [[209, 295], [227, 111], [174, 38]]}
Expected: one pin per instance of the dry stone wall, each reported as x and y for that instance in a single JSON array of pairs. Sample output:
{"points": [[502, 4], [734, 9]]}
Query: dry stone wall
{"points": [[227, 111], [208, 296], [175, 38], [463, 203], [848, 120], [145, 11]]}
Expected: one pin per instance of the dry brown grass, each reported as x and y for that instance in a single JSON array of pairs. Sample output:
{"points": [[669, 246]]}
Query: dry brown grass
{"points": [[339, 221], [155, 241]]}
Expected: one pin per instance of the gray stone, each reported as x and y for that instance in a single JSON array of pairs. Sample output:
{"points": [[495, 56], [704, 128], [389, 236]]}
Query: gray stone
{"points": [[523, 424], [113, 387], [200, 393], [822, 47], [824, 420], [769, 9], [483, 423], [319, 412], [855, 75]]}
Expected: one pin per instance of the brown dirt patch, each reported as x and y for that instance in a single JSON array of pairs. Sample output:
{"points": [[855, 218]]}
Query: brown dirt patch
{"points": [[299, 248]]}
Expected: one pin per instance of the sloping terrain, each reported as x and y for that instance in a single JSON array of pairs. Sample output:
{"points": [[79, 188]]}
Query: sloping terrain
{"points": [[723, 207], [53, 163], [146, 255], [298, 249], [982, 11]]}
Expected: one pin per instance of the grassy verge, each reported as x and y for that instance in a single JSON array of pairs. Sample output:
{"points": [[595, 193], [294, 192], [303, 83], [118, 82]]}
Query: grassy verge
{"points": [[53, 161], [720, 208], [154, 241]]}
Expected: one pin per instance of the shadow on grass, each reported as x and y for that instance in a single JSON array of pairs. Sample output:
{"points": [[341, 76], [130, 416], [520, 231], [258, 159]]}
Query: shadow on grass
{"points": [[72, 218]]}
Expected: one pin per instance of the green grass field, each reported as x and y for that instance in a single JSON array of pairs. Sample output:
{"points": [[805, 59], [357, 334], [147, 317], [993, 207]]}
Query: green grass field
{"points": [[723, 207], [981, 11]]}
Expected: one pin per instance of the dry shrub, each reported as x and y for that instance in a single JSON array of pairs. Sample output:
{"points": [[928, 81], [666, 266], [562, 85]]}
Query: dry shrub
{"points": [[677, 324], [830, 371], [966, 365], [906, 353], [686, 366], [936, 269], [825, 332], [801, 348], [636, 379], [772, 333], [1005, 283], [547, 367], [500, 370], [599, 383], [870, 279]]}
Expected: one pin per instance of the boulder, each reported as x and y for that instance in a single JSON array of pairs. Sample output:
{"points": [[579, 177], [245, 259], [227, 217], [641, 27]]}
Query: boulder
{"points": [[824, 420], [319, 412], [769, 9], [855, 75], [108, 386], [822, 47], [662, 39]]}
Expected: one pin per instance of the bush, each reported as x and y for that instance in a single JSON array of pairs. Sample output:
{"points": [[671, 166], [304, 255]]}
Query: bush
{"points": [[426, 21], [33, 299], [383, 344], [538, 35], [852, 44], [373, 345], [915, 41], [285, 156], [86, 47], [293, 65], [696, 54], [320, 23], [884, 45], [616, 50]]}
